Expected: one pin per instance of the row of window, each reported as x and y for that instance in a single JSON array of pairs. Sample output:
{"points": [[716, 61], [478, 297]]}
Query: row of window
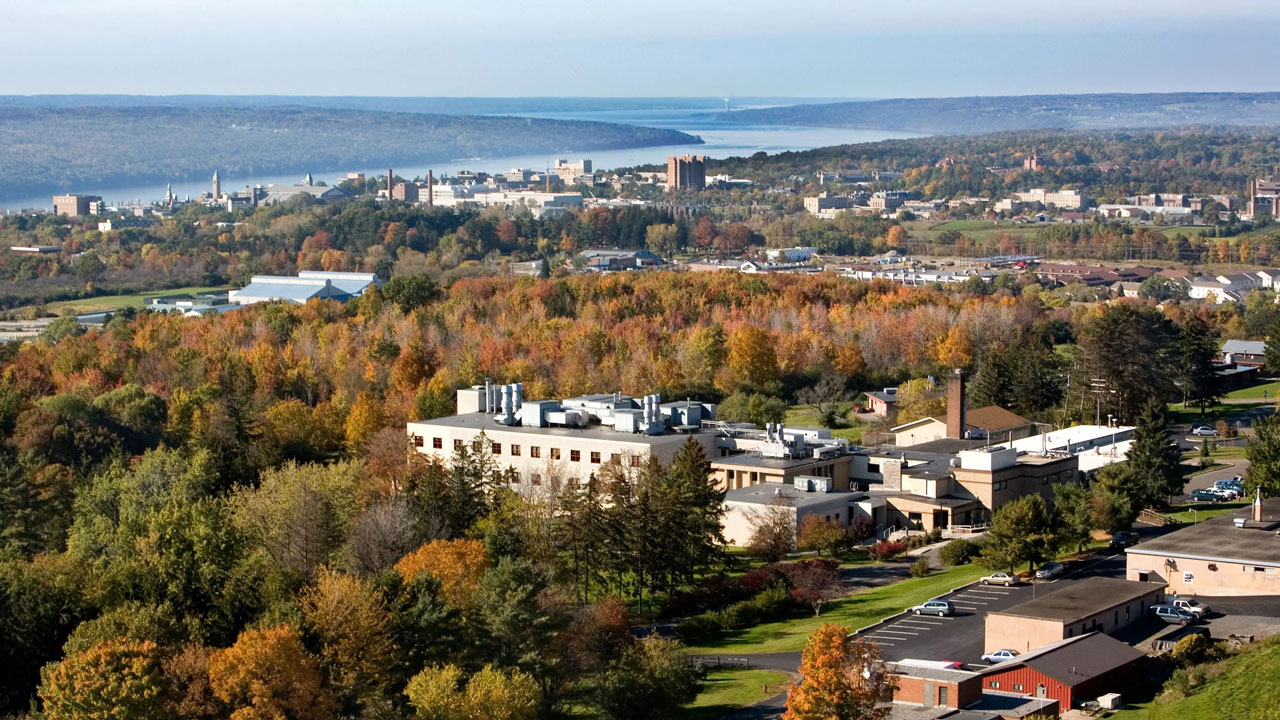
{"points": [[534, 451]]}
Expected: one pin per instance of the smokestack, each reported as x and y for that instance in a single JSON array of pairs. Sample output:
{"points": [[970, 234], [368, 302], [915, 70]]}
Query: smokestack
{"points": [[488, 395], [955, 404], [389, 176], [1257, 505], [431, 189]]}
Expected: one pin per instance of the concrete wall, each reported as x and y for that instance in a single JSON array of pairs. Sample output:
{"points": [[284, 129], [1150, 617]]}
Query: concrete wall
{"points": [[1227, 579]]}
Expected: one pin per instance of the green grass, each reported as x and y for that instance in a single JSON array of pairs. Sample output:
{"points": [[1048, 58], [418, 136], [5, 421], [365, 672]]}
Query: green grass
{"points": [[805, 416], [116, 302], [1212, 414], [728, 689], [1193, 470], [1271, 389], [856, 610], [1244, 687], [1202, 512], [963, 225], [1219, 451]]}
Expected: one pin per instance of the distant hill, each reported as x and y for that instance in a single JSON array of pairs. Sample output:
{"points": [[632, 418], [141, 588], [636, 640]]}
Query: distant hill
{"points": [[1028, 112], [60, 149]]}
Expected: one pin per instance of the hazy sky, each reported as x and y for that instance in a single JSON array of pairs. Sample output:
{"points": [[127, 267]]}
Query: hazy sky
{"points": [[827, 48]]}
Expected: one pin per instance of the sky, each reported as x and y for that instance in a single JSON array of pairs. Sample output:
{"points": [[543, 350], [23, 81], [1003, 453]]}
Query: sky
{"points": [[635, 48]]}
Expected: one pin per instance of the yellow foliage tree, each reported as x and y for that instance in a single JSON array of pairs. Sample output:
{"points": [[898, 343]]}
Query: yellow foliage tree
{"points": [[364, 419], [268, 675], [436, 693], [457, 564], [956, 348], [753, 360], [354, 628], [114, 680]]}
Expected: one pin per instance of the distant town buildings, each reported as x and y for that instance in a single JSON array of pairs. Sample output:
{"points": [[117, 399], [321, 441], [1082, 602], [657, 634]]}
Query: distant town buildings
{"points": [[687, 172]]}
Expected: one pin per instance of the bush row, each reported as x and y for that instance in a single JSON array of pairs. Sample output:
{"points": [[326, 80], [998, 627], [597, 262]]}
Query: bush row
{"points": [[766, 605]]}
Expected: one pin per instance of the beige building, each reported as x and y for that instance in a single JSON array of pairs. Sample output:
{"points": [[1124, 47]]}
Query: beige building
{"points": [[744, 507], [992, 423], [1090, 605], [1237, 553], [77, 205]]}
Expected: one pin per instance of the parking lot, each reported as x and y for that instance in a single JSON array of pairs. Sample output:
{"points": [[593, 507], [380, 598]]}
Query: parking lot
{"points": [[959, 637]]}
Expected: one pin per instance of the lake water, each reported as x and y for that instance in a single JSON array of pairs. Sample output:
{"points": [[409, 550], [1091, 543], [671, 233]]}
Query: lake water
{"points": [[720, 139]]}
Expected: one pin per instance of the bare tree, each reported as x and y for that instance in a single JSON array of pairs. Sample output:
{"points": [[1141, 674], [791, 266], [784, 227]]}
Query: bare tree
{"points": [[825, 397], [385, 533], [773, 530]]}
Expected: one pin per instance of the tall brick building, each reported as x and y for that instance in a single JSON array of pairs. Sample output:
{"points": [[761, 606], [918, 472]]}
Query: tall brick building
{"points": [[687, 171]]}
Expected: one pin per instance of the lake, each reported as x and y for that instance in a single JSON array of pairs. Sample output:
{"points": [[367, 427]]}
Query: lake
{"points": [[721, 139]]}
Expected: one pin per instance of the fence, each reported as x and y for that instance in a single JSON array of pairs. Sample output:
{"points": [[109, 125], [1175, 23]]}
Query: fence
{"points": [[718, 661]]}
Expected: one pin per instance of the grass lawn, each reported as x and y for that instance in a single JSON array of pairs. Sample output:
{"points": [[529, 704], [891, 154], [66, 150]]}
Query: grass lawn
{"points": [[1257, 391], [963, 225], [805, 416], [116, 302], [1193, 470], [1202, 511], [856, 610], [728, 689], [1244, 686], [1219, 452], [1212, 414]]}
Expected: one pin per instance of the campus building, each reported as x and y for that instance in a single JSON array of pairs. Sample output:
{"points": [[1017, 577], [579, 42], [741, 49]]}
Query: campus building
{"points": [[77, 205], [1069, 671], [308, 285], [687, 172], [1237, 553], [1098, 604]]}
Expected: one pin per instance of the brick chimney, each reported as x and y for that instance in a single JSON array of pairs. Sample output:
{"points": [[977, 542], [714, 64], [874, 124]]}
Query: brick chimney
{"points": [[955, 404]]}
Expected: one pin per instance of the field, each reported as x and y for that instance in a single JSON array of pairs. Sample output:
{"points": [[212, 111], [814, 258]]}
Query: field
{"points": [[1264, 391], [1199, 512], [727, 689], [1178, 413], [117, 302], [857, 610], [805, 416]]}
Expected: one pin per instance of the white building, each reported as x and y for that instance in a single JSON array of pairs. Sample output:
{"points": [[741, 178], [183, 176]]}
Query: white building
{"points": [[308, 285], [792, 254]]}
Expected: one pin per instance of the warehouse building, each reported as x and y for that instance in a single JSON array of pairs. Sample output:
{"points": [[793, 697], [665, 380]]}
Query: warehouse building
{"points": [[1237, 553], [1069, 671], [1097, 604]]}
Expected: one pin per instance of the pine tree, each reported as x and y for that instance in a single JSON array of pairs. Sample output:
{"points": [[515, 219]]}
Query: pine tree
{"points": [[1198, 347], [1154, 459], [990, 384]]}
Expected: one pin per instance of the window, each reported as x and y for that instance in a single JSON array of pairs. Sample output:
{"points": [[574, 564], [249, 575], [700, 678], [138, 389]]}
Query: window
{"points": [[873, 467], [595, 458], [515, 451], [730, 474], [457, 444], [615, 459], [575, 456], [555, 453], [999, 485], [994, 685], [496, 448], [417, 441], [535, 479], [515, 478], [943, 696], [437, 443], [1017, 687], [914, 517], [475, 445], [637, 461], [535, 451]]}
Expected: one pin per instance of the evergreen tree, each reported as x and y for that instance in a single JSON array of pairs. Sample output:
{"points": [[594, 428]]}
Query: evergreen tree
{"points": [[1021, 531], [1154, 459], [1263, 452], [1197, 348], [990, 384]]}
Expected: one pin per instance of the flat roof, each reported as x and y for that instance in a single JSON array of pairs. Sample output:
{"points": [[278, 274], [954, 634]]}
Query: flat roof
{"points": [[908, 669], [1082, 599], [750, 459], [942, 502], [1219, 540], [484, 421], [764, 493]]}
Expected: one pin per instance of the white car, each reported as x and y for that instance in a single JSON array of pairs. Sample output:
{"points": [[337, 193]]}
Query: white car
{"points": [[1190, 605], [1000, 578], [1203, 431], [999, 656]]}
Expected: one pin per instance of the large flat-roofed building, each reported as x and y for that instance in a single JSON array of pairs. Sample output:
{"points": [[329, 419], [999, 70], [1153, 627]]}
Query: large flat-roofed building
{"points": [[1090, 605], [76, 205], [1237, 553], [547, 441], [1069, 671], [807, 495]]}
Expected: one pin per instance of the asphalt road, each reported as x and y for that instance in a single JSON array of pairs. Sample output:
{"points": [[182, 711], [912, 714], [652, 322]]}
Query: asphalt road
{"points": [[959, 637]]}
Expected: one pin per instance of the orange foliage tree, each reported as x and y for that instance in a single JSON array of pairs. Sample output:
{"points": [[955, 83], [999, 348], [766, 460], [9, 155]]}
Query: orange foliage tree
{"points": [[268, 675], [457, 564], [841, 680]]}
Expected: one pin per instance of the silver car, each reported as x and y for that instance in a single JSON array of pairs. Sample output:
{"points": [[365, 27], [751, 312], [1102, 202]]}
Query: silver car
{"points": [[934, 607], [1049, 571]]}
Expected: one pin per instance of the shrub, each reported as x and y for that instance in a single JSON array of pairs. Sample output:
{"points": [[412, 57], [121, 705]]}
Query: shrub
{"points": [[884, 550], [699, 628], [958, 552], [920, 568], [767, 604]]}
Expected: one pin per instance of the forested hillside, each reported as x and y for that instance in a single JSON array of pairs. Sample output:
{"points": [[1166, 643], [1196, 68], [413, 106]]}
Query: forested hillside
{"points": [[43, 149], [991, 114]]}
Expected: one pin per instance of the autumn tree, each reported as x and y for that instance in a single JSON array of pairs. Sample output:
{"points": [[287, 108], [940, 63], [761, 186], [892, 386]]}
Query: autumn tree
{"points": [[459, 565], [268, 675], [814, 583], [439, 693], [821, 534], [897, 236], [918, 398], [773, 531], [363, 420], [753, 360], [840, 680], [354, 629], [115, 680], [661, 240]]}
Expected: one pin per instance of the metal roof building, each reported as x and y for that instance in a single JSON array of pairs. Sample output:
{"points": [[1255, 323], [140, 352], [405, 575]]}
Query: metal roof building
{"points": [[309, 285]]}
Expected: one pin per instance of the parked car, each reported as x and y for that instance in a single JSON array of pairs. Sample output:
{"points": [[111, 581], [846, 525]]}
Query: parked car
{"points": [[1206, 495], [1001, 578], [1233, 485], [1173, 615], [1191, 605], [934, 607], [1203, 431], [1124, 539], [999, 656], [1049, 571], [1227, 493]]}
